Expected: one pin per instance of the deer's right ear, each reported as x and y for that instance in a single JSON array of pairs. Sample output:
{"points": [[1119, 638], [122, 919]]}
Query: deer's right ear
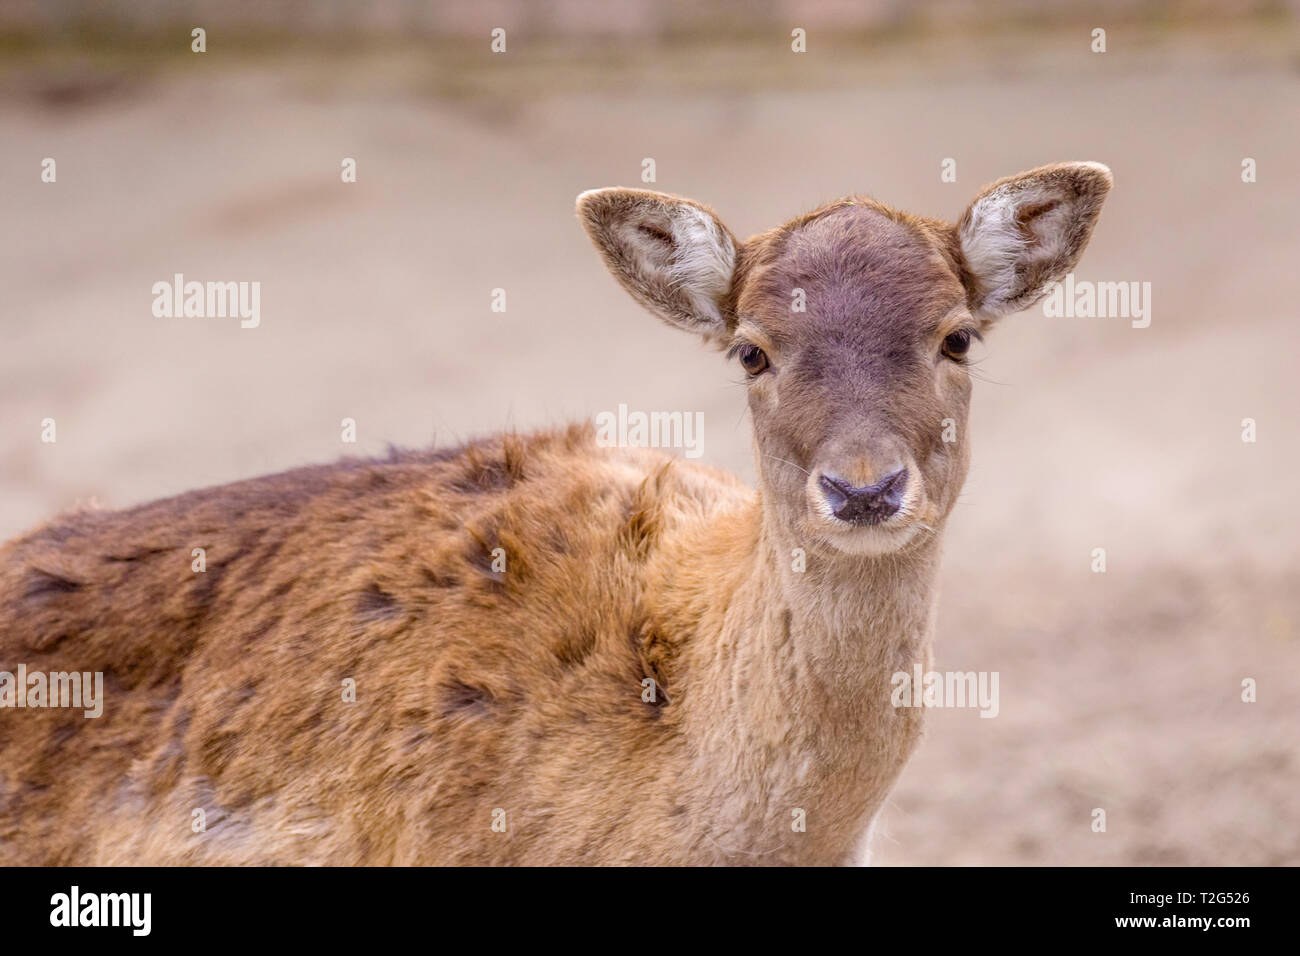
{"points": [[674, 255]]}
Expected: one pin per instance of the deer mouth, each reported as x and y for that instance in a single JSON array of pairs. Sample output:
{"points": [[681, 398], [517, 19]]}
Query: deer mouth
{"points": [[872, 539]]}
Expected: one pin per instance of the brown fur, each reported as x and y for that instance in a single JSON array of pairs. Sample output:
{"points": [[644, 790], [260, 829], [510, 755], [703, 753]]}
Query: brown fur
{"points": [[522, 690]]}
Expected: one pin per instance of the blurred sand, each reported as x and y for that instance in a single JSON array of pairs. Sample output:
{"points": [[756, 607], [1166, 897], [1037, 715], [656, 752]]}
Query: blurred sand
{"points": [[1118, 691]]}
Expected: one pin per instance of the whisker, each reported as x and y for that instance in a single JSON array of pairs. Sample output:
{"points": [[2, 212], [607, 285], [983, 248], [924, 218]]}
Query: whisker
{"points": [[791, 464], [972, 370]]}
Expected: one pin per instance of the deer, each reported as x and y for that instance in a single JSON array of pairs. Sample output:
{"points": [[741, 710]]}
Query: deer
{"points": [[533, 649]]}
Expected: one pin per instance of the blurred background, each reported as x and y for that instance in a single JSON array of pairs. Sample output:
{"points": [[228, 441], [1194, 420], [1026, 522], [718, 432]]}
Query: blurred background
{"points": [[1119, 690]]}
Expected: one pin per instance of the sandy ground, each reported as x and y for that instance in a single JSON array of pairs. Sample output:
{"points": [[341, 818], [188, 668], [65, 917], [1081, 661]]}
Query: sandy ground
{"points": [[1119, 691]]}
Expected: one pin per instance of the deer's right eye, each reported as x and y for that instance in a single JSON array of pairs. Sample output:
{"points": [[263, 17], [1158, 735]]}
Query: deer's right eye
{"points": [[753, 359]]}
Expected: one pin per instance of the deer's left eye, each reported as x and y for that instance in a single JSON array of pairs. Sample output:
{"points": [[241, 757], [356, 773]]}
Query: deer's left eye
{"points": [[957, 344], [753, 359]]}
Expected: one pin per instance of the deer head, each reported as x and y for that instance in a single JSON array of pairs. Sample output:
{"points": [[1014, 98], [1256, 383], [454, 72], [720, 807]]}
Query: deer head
{"points": [[852, 325]]}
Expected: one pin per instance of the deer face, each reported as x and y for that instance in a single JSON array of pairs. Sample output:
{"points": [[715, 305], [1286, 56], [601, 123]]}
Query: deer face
{"points": [[852, 326]]}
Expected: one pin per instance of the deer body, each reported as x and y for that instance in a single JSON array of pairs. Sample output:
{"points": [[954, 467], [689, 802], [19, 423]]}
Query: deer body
{"points": [[532, 649], [225, 687]]}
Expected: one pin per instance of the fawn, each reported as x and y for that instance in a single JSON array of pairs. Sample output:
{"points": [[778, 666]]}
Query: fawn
{"points": [[532, 649]]}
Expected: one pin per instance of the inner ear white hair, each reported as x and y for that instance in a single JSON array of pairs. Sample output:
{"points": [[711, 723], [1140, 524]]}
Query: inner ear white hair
{"points": [[1025, 232], [704, 261], [673, 255]]}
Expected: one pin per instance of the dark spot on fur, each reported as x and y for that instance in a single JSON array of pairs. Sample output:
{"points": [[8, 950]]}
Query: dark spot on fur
{"points": [[558, 541], [58, 738], [640, 525], [60, 533], [643, 518], [414, 738], [478, 554], [513, 453], [573, 649], [440, 579], [257, 630], [652, 656], [42, 584], [217, 751], [376, 604], [484, 470], [461, 699], [139, 554], [314, 720], [271, 550], [480, 476], [203, 595]]}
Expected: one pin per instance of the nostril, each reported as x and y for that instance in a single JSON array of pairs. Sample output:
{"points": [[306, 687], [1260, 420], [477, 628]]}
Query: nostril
{"points": [[868, 504], [893, 486], [837, 491]]}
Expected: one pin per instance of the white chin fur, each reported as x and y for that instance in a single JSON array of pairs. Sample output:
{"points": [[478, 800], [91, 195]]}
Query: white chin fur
{"points": [[870, 539]]}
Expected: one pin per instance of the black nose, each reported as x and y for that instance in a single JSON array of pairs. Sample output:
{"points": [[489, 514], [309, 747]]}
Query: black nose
{"points": [[871, 504]]}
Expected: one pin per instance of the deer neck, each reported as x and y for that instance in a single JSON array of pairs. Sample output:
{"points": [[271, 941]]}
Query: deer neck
{"points": [[787, 687], [828, 630], [850, 617]]}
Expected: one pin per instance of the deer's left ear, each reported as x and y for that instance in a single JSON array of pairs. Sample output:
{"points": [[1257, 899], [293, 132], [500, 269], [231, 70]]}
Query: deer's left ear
{"points": [[1025, 232]]}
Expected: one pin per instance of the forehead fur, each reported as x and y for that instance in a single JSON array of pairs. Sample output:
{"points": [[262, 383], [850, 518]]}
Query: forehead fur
{"points": [[855, 259]]}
